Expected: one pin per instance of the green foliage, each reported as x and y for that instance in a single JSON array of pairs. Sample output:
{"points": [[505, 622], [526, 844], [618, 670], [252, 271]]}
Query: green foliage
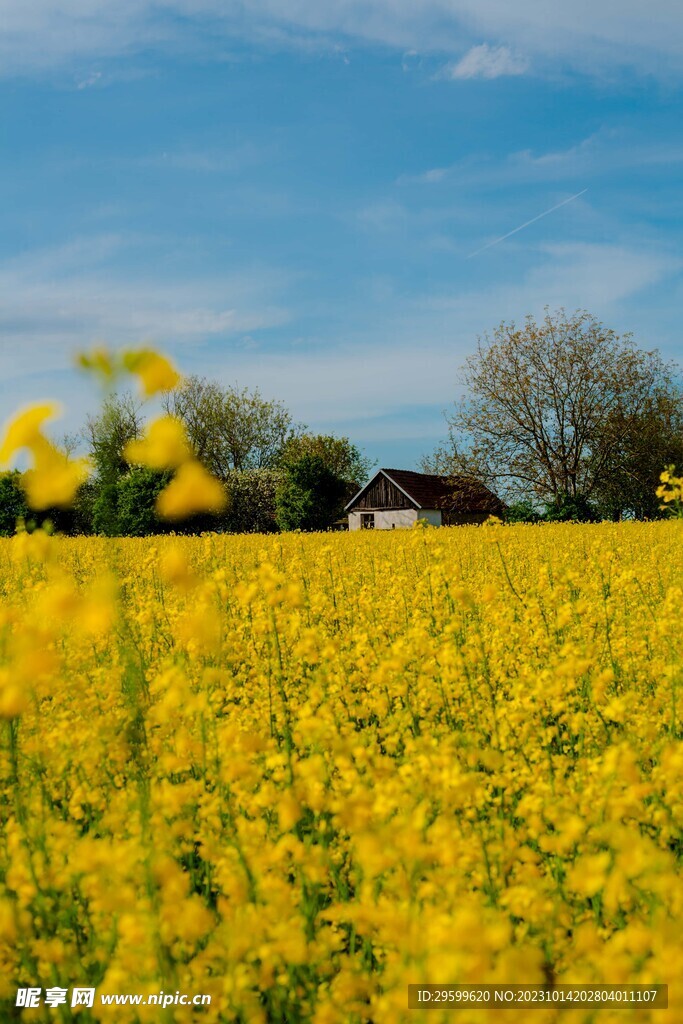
{"points": [[252, 501], [108, 433], [231, 429], [12, 502], [136, 494], [644, 442], [83, 508], [522, 511], [568, 509], [343, 458], [311, 496], [104, 510], [13, 507]]}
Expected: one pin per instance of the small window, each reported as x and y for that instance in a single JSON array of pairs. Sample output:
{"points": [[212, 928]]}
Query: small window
{"points": [[367, 520]]}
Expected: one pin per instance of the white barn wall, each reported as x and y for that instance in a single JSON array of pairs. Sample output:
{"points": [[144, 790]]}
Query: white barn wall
{"points": [[396, 518]]}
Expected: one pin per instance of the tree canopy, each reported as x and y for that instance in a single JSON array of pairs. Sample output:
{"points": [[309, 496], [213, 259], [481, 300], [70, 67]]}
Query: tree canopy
{"points": [[566, 412], [231, 428], [311, 495], [107, 434], [341, 457]]}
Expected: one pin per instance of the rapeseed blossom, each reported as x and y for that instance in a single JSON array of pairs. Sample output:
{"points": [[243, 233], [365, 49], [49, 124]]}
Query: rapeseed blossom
{"points": [[53, 478], [191, 490], [297, 773]]}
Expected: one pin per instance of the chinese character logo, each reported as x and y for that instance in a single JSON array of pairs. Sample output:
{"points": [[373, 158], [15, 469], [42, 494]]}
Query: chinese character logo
{"points": [[55, 996], [28, 997], [82, 996]]}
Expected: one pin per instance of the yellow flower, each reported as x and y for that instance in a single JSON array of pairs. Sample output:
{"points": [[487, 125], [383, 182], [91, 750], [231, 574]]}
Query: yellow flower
{"points": [[100, 362], [24, 431], [13, 696], [589, 874], [54, 478], [164, 446], [155, 372], [176, 570], [288, 810], [192, 490]]}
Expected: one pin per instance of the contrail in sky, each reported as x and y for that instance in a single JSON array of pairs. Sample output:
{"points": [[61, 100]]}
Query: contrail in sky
{"points": [[526, 224]]}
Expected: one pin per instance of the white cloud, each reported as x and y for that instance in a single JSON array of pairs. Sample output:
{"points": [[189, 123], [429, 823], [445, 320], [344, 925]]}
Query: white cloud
{"points": [[403, 361], [585, 34], [601, 153], [597, 276], [486, 61], [51, 306], [93, 79], [356, 378], [429, 177]]}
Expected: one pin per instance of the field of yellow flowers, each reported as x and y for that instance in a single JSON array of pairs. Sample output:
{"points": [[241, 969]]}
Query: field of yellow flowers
{"points": [[299, 772]]}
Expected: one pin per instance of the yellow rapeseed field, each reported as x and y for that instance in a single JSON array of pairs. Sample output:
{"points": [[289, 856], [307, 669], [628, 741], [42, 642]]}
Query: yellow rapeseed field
{"points": [[299, 772]]}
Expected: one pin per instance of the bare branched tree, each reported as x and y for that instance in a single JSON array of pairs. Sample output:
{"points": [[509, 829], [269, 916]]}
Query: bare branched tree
{"points": [[557, 410]]}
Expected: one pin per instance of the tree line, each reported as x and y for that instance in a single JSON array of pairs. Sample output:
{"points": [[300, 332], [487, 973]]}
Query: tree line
{"points": [[563, 419], [277, 474]]}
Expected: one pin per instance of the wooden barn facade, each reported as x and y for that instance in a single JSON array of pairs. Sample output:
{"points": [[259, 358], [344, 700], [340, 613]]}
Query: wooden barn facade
{"points": [[397, 498]]}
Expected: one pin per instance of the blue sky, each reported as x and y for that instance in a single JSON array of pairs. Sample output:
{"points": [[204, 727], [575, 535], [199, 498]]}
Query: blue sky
{"points": [[289, 194]]}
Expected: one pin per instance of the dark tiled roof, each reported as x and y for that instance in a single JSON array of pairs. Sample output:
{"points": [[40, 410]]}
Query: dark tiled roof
{"points": [[453, 494]]}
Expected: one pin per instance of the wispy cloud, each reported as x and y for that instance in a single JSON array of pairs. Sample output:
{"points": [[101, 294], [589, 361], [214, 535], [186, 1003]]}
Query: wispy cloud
{"points": [[598, 154], [95, 78], [486, 61], [429, 177], [354, 375], [344, 374], [210, 161], [51, 305], [46, 33]]}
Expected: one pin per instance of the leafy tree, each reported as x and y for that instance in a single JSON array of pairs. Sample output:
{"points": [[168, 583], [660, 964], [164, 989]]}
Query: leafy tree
{"points": [[556, 412], [136, 494], [231, 428], [105, 516], [13, 506], [12, 502], [310, 496], [339, 454], [523, 511], [107, 434], [252, 507], [83, 508], [565, 509], [646, 442]]}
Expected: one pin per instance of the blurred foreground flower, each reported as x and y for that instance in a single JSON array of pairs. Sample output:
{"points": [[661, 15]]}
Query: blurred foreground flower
{"points": [[54, 478], [154, 371], [164, 446], [25, 429], [192, 490]]}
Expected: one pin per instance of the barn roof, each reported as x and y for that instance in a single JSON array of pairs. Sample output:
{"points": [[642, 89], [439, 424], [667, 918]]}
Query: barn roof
{"points": [[449, 493]]}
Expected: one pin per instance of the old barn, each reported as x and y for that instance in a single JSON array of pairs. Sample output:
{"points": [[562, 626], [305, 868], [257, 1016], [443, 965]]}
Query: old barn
{"points": [[397, 498]]}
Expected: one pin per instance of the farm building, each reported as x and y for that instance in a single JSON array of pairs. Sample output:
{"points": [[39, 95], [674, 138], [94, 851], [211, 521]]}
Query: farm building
{"points": [[397, 498]]}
